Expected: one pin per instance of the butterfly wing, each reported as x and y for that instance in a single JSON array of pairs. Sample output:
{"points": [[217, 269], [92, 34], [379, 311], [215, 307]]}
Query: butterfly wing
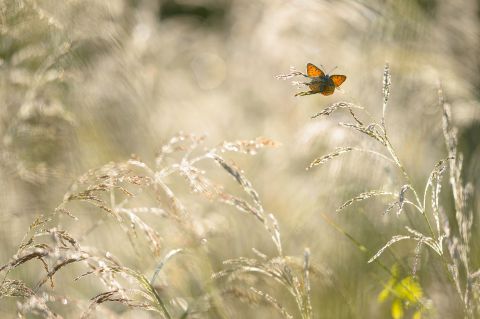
{"points": [[315, 87], [338, 79], [313, 71], [328, 90]]}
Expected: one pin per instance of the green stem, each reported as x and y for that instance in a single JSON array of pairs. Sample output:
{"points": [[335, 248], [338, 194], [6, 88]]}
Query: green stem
{"points": [[365, 250], [160, 302], [408, 180]]}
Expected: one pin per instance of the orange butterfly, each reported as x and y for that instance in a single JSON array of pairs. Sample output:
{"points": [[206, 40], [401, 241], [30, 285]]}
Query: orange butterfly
{"points": [[321, 83]]}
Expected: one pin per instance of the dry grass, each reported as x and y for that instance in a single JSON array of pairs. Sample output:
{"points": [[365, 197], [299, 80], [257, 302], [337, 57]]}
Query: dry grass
{"points": [[434, 216], [107, 211]]}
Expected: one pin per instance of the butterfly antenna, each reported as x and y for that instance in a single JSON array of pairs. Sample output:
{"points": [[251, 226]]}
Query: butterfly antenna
{"points": [[323, 67], [332, 69]]}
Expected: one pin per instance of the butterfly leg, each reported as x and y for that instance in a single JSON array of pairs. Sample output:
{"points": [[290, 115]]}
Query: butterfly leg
{"points": [[305, 93]]}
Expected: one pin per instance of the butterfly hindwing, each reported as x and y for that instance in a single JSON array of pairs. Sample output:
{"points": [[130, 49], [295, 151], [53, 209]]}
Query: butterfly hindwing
{"points": [[315, 87], [328, 90], [313, 71], [338, 79]]}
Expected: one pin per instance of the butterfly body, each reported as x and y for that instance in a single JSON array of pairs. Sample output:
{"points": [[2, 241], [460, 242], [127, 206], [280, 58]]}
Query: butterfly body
{"points": [[321, 82]]}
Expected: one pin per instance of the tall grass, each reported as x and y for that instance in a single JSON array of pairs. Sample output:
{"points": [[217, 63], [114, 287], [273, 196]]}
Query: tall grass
{"points": [[117, 226], [129, 192], [426, 202], [111, 189]]}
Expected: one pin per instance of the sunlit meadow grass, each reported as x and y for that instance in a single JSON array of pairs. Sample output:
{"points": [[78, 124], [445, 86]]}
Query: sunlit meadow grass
{"points": [[115, 204], [426, 202], [112, 191]]}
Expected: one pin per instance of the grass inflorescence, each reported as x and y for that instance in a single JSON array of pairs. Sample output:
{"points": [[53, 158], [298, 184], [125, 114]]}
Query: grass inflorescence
{"points": [[455, 259]]}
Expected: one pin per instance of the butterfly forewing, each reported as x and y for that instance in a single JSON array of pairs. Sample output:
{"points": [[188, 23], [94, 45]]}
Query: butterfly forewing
{"points": [[313, 71], [338, 79]]}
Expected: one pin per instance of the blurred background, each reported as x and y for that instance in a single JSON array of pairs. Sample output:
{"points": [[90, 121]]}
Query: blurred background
{"points": [[83, 83]]}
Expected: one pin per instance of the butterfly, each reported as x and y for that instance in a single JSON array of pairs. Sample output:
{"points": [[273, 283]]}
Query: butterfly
{"points": [[321, 83]]}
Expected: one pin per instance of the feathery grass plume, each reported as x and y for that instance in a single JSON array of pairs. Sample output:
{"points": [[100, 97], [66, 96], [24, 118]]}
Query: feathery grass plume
{"points": [[109, 188], [392, 241], [435, 183], [248, 146], [112, 189], [36, 305], [401, 198], [400, 203], [242, 180], [322, 160], [200, 183], [36, 117], [342, 150], [306, 280], [114, 296], [363, 196], [293, 73], [54, 249], [417, 257], [58, 251], [334, 107], [387, 83], [281, 270], [297, 282], [273, 302], [435, 243], [15, 288], [370, 130], [462, 271], [134, 291]]}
